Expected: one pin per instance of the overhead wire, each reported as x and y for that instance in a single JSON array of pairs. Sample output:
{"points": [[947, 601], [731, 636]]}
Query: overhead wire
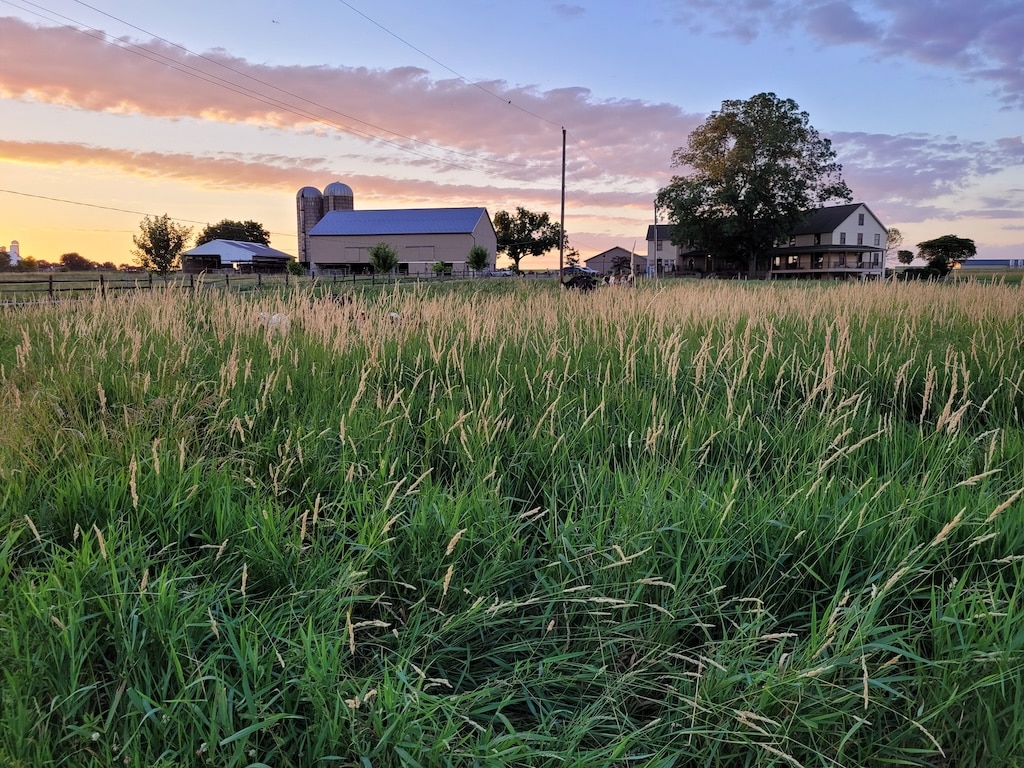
{"points": [[191, 71], [113, 208], [208, 77]]}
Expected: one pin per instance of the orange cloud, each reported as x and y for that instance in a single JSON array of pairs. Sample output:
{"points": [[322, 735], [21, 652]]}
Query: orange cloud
{"points": [[489, 123]]}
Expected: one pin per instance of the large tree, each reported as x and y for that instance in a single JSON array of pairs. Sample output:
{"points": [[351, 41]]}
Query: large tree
{"points": [[159, 244], [242, 231], [946, 252], [526, 234], [754, 170]]}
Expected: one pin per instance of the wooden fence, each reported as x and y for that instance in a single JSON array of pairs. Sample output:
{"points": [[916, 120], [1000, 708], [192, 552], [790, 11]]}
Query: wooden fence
{"points": [[59, 285]]}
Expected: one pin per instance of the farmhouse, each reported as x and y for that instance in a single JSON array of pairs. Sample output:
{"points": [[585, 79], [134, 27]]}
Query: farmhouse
{"points": [[235, 255], [334, 237], [834, 242]]}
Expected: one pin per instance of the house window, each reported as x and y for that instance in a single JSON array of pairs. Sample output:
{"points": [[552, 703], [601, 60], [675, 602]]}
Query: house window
{"points": [[878, 240], [817, 239], [860, 238], [842, 238], [860, 219], [842, 259], [792, 240], [660, 243]]}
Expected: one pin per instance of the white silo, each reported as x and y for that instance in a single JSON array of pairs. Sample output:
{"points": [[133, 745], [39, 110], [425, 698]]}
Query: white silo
{"points": [[14, 253]]}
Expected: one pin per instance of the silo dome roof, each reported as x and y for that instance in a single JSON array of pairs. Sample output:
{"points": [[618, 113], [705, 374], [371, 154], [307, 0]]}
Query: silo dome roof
{"points": [[336, 188], [309, 192]]}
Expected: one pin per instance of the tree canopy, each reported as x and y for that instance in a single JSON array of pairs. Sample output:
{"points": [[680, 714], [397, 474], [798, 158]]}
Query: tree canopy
{"points": [[159, 244], [755, 168], [526, 234], [946, 252], [478, 258], [383, 258], [242, 231], [74, 262]]}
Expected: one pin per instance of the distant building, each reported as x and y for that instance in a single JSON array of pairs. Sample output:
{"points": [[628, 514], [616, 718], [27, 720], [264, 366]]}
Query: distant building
{"points": [[992, 264], [666, 257], [334, 237], [235, 255], [617, 260], [12, 256]]}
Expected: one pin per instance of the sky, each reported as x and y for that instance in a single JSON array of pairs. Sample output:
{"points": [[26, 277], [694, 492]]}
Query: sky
{"points": [[114, 110]]}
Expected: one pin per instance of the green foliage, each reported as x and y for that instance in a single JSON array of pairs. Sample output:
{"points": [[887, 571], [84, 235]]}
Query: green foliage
{"points": [[946, 252], [159, 244], [526, 234], [241, 231], [905, 257], [73, 262], [441, 268], [755, 167], [703, 524], [295, 268], [478, 259], [383, 258]]}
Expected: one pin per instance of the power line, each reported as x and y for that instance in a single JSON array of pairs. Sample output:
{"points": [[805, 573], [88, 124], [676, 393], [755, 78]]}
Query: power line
{"points": [[295, 95], [212, 79], [118, 210], [463, 78]]}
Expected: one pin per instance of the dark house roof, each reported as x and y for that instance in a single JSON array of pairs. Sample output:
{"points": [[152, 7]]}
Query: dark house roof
{"points": [[664, 232], [411, 221], [823, 220]]}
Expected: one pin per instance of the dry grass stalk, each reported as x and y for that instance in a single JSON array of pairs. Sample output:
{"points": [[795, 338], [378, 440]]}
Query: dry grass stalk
{"points": [[100, 541], [32, 527], [454, 541], [1004, 506], [948, 528], [132, 482]]}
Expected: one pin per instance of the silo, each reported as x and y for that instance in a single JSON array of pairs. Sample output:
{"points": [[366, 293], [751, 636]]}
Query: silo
{"points": [[309, 205], [14, 253], [338, 197]]}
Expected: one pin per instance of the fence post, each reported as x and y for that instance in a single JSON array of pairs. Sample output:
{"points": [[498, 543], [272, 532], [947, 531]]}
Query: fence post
{"points": [[151, 281], [191, 282], [103, 287], [226, 283], [51, 286]]}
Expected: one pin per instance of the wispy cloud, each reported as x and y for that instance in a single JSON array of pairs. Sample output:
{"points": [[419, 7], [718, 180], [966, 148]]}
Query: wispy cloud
{"points": [[982, 40]]}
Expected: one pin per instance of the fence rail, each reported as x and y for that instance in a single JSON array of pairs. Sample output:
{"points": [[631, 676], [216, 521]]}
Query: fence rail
{"points": [[57, 286]]}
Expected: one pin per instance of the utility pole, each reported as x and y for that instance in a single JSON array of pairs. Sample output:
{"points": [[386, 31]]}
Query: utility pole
{"points": [[561, 242], [654, 267]]}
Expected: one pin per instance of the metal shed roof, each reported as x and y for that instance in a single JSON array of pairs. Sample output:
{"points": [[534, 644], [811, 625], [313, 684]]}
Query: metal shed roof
{"points": [[412, 221], [236, 251]]}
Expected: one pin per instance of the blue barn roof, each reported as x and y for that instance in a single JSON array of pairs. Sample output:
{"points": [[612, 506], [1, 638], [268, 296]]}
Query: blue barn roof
{"points": [[412, 221]]}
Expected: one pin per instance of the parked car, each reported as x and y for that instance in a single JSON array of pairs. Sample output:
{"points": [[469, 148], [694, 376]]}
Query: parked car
{"points": [[576, 269]]}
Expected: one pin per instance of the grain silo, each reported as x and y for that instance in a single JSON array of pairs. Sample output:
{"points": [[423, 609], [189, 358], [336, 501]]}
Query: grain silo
{"points": [[309, 205], [338, 197]]}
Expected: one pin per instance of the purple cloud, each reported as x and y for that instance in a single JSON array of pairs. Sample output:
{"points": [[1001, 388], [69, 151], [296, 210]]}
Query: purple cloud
{"points": [[983, 39]]}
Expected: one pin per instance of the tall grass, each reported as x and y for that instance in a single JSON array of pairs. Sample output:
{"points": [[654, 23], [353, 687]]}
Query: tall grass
{"points": [[707, 524]]}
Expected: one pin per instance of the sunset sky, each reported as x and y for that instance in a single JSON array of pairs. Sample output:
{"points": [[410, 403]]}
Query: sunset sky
{"points": [[212, 110]]}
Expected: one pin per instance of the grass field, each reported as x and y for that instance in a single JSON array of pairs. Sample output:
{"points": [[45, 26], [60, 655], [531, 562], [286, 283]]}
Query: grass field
{"points": [[710, 523]]}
